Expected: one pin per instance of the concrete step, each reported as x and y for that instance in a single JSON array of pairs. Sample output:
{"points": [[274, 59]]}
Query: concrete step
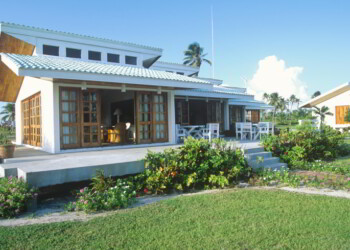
{"points": [[254, 156], [253, 150], [265, 163], [277, 166]]}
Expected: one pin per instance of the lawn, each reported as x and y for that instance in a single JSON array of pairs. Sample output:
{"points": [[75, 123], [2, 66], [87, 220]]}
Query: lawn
{"points": [[242, 219]]}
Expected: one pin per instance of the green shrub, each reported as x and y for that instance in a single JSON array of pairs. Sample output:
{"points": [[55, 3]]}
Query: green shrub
{"points": [[14, 194], [306, 144], [104, 194], [198, 164], [5, 134]]}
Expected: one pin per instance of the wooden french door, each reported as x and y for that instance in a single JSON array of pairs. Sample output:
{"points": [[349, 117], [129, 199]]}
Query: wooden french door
{"points": [[151, 117], [31, 110], [80, 118], [90, 120], [70, 117]]}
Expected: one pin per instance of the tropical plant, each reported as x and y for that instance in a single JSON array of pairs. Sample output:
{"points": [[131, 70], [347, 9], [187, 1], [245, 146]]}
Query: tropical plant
{"points": [[8, 113], [194, 55], [317, 93], [322, 113], [347, 117]]}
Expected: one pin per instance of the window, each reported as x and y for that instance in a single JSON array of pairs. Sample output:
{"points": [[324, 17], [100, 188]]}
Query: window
{"points": [[252, 116], [169, 71], [132, 60], [50, 50], [112, 58], [94, 55], [73, 53], [180, 73]]}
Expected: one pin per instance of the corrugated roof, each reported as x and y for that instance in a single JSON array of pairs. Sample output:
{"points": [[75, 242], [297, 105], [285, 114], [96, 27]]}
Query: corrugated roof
{"points": [[53, 63], [78, 35], [221, 90]]}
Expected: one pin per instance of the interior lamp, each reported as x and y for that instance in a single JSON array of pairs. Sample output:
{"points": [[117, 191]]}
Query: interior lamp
{"points": [[118, 113]]}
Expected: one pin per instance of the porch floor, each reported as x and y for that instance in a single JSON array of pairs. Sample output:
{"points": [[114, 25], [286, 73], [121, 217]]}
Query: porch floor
{"points": [[43, 169]]}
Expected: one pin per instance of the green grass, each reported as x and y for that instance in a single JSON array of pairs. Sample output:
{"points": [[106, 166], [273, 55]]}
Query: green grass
{"points": [[241, 219]]}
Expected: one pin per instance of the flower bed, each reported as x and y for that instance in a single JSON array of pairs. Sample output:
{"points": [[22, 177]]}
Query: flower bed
{"points": [[198, 164], [103, 194], [14, 195]]}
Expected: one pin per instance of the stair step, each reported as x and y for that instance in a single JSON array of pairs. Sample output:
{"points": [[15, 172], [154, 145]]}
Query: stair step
{"points": [[277, 166], [253, 150], [266, 162], [254, 156]]}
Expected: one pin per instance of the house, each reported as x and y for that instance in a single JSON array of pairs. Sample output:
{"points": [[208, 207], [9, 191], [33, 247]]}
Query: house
{"points": [[338, 102], [75, 92]]}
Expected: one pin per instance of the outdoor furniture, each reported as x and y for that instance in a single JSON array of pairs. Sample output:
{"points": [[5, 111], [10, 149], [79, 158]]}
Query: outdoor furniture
{"points": [[193, 130], [179, 132], [262, 128], [247, 130], [211, 131], [238, 129]]}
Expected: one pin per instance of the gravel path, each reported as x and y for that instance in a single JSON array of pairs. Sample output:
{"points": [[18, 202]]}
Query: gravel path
{"points": [[54, 211]]}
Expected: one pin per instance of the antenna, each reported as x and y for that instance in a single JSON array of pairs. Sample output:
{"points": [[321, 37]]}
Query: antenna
{"points": [[245, 82], [212, 43]]}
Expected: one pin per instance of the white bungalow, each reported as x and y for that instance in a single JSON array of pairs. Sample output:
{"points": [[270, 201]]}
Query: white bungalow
{"points": [[338, 102], [74, 92]]}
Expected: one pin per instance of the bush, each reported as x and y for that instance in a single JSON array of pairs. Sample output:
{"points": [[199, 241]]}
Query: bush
{"points": [[5, 134], [14, 194], [104, 194], [306, 144], [198, 164]]}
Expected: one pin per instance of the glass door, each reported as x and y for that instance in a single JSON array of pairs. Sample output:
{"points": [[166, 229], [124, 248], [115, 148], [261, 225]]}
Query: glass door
{"points": [[160, 118], [90, 120], [144, 117], [69, 118]]}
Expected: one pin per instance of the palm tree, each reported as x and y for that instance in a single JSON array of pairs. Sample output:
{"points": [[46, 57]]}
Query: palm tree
{"points": [[317, 93], [273, 99], [8, 113], [322, 112], [194, 55]]}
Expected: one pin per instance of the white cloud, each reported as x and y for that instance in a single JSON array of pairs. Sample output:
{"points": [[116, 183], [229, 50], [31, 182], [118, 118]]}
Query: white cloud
{"points": [[273, 76]]}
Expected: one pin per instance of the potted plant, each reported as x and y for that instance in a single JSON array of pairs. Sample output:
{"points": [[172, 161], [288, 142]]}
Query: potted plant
{"points": [[7, 149]]}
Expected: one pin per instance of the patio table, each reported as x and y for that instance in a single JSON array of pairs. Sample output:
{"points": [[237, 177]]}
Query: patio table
{"points": [[194, 130]]}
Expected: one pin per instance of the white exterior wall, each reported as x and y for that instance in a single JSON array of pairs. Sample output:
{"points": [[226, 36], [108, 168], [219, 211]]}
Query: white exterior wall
{"points": [[339, 100], [31, 86]]}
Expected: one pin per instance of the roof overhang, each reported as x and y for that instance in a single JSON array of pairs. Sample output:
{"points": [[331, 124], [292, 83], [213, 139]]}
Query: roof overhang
{"points": [[250, 104], [326, 96], [211, 93], [146, 77]]}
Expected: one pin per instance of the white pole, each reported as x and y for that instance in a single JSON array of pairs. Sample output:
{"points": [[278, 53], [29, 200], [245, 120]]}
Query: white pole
{"points": [[212, 43]]}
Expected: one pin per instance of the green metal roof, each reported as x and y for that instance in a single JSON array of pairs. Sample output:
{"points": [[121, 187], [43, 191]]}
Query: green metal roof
{"points": [[62, 64]]}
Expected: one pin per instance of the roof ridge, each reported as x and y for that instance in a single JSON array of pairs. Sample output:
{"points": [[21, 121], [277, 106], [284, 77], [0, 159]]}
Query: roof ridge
{"points": [[80, 35]]}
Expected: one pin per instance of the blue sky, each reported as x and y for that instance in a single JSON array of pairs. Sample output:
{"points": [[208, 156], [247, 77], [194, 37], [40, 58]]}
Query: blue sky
{"points": [[291, 46]]}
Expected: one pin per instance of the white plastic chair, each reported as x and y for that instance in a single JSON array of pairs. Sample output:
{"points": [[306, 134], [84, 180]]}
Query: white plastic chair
{"points": [[247, 129], [238, 129], [212, 131], [271, 128], [179, 133], [264, 128]]}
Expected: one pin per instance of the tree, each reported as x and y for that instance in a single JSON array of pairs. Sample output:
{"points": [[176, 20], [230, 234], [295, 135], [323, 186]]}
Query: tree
{"points": [[322, 112], [194, 55], [8, 113], [275, 100], [317, 93]]}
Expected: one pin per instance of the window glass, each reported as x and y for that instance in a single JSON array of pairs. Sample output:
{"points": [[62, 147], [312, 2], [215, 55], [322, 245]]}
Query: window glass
{"points": [[112, 58], [73, 53], [95, 55], [50, 50], [132, 60]]}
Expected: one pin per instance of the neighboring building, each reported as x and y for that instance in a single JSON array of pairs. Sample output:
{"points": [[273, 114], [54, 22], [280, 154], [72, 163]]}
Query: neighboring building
{"points": [[75, 92], [338, 102]]}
